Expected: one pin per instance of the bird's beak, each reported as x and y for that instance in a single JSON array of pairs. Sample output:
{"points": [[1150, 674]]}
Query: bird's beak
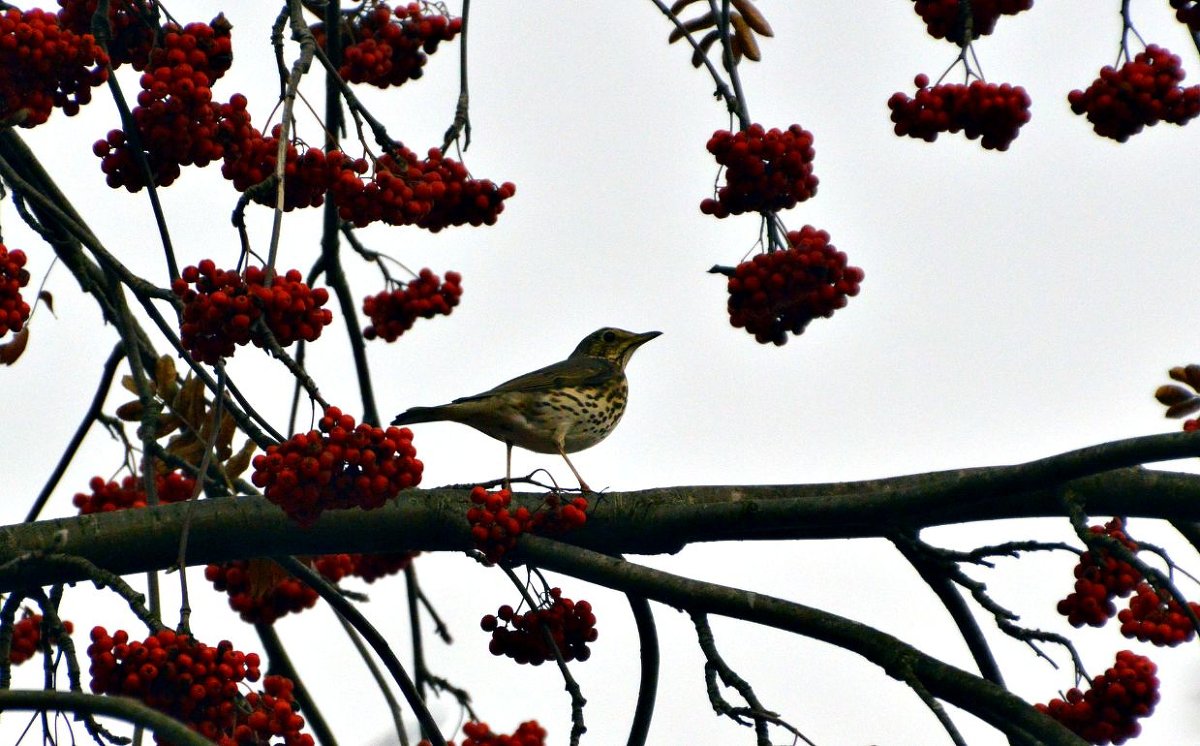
{"points": [[641, 339]]}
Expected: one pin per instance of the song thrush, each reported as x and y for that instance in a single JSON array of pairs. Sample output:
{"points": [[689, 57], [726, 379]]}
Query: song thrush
{"points": [[562, 408]]}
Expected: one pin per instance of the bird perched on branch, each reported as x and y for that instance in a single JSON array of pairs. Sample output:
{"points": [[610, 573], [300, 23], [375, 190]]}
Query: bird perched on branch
{"points": [[562, 408]]}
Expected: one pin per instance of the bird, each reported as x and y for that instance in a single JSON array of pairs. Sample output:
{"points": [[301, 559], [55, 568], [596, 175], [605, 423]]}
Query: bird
{"points": [[562, 408]]}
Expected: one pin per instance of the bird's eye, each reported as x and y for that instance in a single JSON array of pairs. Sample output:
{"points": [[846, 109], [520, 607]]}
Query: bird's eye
{"points": [[610, 337]]}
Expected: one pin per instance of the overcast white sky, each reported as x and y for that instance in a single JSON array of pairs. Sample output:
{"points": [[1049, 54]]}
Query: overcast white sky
{"points": [[1015, 305]]}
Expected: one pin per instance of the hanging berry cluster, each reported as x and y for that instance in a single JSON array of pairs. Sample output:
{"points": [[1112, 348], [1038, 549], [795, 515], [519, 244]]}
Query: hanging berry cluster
{"points": [[261, 592], [1157, 618], [991, 113], [197, 685], [571, 625], [495, 529], [393, 312], [1143, 92], [390, 48], [130, 21], [944, 18], [27, 636], [339, 466], [308, 172], [177, 122], [1099, 578], [107, 496], [14, 311], [1109, 710], [477, 733], [765, 170], [220, 312], [780, 292], [44, 66]]}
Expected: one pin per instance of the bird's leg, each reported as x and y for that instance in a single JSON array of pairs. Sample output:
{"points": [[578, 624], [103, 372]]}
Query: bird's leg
{"points": [[508, 467], [582, 484]]}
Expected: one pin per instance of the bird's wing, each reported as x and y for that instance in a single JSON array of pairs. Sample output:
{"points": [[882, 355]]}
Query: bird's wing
{"points": [[578, 372]]}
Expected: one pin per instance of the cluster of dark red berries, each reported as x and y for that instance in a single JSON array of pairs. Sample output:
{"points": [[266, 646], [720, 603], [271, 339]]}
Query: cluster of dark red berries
{"points": [[782, 291], [765, 170], [1143, 92], [107, 496], [220, 312], [1156, 618], [178, 124], [261, 592], [14, 311], [477, 733], [133, 25], [339, 466], [393, 312], [308, 173], [389, 48], [495, 529], [1187, 12], [27, 636], [989, 112], [44, 65], [1099, 578], [197, 685], [571, 626], [433, 193], [944, 19], [1108, 711]]}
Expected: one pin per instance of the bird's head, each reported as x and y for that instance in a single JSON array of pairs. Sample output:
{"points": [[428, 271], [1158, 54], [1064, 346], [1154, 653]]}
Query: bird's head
{"points": [[614, 345]]}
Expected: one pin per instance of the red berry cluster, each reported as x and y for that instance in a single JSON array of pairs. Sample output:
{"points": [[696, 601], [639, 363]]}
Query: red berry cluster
{"points": [[177, 122], [105, 497], [571, 625], [44, 65], [764, 170], [27, 637], [14, 311], [495, 529], [943, 19], [337, 467], [220, 312], [431, 193], [477, 733], [1187, 12], [308, 172], [1108, 711], [129, 21], [1099, 578], [1143, 92], [393, 312], [988, 111], [196, 684], [1156, 618], [372, 567], [780, 292], [260, 591], [390, 48]]}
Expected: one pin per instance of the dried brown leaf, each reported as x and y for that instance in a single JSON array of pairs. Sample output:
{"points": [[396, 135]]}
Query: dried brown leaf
{"points": [[703, 22], [189, 402], [754, 18], [164, 377], [1183, 409], [167, 424], [11, 351], [45, 297], [1191, 375], [1170, 394], [743, 37], [703, 46], [681, 4], [130, 411], [128, 384], [240, 461], [186, 447], [224, 442]]}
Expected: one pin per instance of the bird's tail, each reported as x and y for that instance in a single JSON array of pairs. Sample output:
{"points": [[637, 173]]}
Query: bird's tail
{"points": [[419, 414]]}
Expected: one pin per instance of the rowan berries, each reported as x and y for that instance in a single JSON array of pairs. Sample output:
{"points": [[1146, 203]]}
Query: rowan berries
{"points": [[393, 312], [107, 496], [1100, 578], [991, 113], [27, 636], [1109, 710], [43, 66], [571, 626], [336, 467], [944, 19], [782, 291], [14, 311], [1143, 92], [387, 47], [765, 170]]}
